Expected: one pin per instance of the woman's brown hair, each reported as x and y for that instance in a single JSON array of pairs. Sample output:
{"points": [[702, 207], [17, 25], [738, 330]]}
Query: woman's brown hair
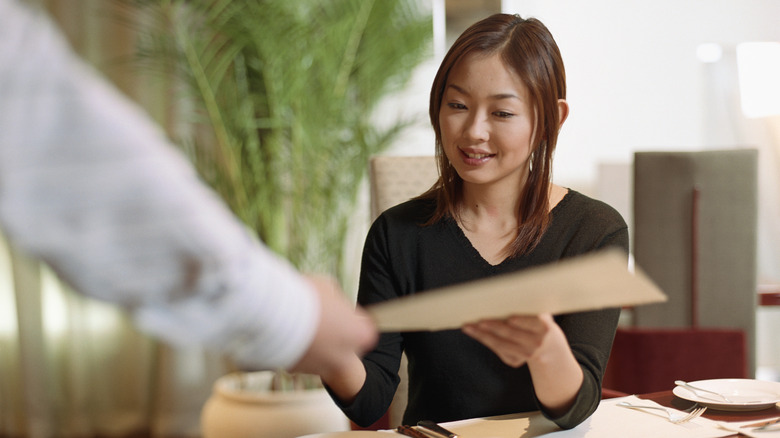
{"points": [[526, 47]]}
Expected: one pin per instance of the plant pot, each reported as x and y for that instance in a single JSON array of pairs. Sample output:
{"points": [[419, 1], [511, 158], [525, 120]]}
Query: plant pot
{"points": [[242, 406]]}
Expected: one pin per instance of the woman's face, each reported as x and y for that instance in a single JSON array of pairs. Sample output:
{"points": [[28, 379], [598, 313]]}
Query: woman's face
{"points": [[487, 123]]}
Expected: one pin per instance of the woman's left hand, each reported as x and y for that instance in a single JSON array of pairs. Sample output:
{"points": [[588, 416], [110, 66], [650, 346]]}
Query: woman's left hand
{"points": [[516, 339], [539, 342]]}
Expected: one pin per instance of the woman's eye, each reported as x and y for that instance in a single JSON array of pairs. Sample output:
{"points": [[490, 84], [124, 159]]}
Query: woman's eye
{"points": [[503, 114], [457, 106]]}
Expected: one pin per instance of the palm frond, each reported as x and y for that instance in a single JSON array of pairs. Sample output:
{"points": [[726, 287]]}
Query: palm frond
{"points": [[282, 93]]}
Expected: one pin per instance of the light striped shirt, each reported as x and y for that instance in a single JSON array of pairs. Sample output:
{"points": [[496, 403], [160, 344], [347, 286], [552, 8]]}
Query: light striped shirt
{"points": [[89, 184]]}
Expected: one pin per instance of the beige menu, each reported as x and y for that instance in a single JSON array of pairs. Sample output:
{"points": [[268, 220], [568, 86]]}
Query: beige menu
{"points": [[589, 282]]}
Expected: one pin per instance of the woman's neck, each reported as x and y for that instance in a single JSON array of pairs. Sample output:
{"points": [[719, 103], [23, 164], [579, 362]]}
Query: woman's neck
{"points": [[494, 208], [489, 219], [484, 205]]}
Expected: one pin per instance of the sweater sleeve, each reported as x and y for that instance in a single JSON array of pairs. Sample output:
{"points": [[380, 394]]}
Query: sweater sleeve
{"points": [[590, 334], [90, 185], [377, 283]]}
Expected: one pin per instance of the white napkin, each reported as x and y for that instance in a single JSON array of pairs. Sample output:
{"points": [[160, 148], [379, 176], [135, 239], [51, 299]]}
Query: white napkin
{"points": [[610, 420], [743, 429], [773, 432], [607, 422]]}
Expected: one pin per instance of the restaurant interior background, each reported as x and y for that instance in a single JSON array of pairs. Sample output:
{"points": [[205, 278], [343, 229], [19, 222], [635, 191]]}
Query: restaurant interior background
{"points": [[642, 76]]}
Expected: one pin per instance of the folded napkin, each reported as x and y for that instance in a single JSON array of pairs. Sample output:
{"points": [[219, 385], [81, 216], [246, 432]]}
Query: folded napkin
{"points": [[747, 428], [773, 432], [611, 420], [608, 421]]}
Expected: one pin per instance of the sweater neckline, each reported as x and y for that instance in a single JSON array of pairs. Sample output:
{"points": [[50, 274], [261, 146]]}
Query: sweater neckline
{"points": [[469, 247]]}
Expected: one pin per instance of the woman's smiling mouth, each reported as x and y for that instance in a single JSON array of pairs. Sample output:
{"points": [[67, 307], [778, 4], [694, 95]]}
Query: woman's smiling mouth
{"points": [[475, 158]]}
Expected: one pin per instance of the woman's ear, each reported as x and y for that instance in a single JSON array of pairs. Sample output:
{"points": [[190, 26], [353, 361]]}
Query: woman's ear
{"points": [[563, 112]]}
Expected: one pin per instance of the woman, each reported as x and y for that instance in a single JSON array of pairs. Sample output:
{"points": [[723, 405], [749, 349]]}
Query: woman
{"points": [[497, 104]]}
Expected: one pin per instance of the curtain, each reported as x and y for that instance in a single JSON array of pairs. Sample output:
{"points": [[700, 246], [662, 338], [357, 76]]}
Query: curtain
{"points": [[71, 366]]}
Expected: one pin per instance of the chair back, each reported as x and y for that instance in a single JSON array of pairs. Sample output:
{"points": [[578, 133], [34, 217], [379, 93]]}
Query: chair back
{"points": [[395, 179], [695, 236]]}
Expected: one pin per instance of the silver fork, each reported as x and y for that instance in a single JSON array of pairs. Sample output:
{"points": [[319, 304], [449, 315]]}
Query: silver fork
{"points": [[697, 390], [674, 417]]}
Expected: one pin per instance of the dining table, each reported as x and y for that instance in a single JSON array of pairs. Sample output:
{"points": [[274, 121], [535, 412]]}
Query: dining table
{"points": [[610, 420], [669, 400]]}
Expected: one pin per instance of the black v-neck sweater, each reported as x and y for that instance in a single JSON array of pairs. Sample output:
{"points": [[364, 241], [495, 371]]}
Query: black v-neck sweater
{"points": [[452, 376]]}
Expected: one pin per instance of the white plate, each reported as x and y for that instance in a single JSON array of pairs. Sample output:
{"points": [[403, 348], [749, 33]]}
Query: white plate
{"points": [[745, 394]]}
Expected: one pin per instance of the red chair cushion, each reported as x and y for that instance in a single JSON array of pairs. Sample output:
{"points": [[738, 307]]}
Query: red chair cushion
{"points": [[647, 360]]}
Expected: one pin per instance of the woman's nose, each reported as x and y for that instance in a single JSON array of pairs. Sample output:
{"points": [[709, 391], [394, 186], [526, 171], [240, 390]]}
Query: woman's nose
{"points": [[476, 128]]}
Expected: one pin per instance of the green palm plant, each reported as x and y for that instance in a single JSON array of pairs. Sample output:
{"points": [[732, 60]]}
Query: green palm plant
{"points": [[279, 97]]}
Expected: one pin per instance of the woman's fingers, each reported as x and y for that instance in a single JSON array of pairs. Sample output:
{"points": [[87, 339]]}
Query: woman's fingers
{"points": [[515, 339]]}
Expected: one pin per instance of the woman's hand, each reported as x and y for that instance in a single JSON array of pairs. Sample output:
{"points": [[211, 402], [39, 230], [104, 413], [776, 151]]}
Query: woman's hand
{"points": [[539, 342], [518, 338]]}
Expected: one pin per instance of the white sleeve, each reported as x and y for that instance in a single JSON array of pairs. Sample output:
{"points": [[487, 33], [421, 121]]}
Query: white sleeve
{"points": [[89, 184]]}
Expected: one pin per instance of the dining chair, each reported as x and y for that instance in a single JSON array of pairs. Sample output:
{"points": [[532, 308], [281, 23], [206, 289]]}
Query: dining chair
{"points": [[393, 180], [695, 236]]}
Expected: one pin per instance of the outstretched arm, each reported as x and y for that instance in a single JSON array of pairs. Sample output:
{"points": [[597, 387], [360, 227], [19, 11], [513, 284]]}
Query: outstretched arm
{"points": [[89, 184]]}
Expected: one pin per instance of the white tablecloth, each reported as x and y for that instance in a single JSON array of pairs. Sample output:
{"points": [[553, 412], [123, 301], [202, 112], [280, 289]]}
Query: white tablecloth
{"points": [[608, 421]]}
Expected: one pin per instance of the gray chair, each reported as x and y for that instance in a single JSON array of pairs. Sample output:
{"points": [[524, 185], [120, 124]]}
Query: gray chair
{"points": [[695, 235]]}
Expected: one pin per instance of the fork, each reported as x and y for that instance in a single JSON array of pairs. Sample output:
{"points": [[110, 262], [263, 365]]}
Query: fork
{"points": [[674, 417], [697, 390]]}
